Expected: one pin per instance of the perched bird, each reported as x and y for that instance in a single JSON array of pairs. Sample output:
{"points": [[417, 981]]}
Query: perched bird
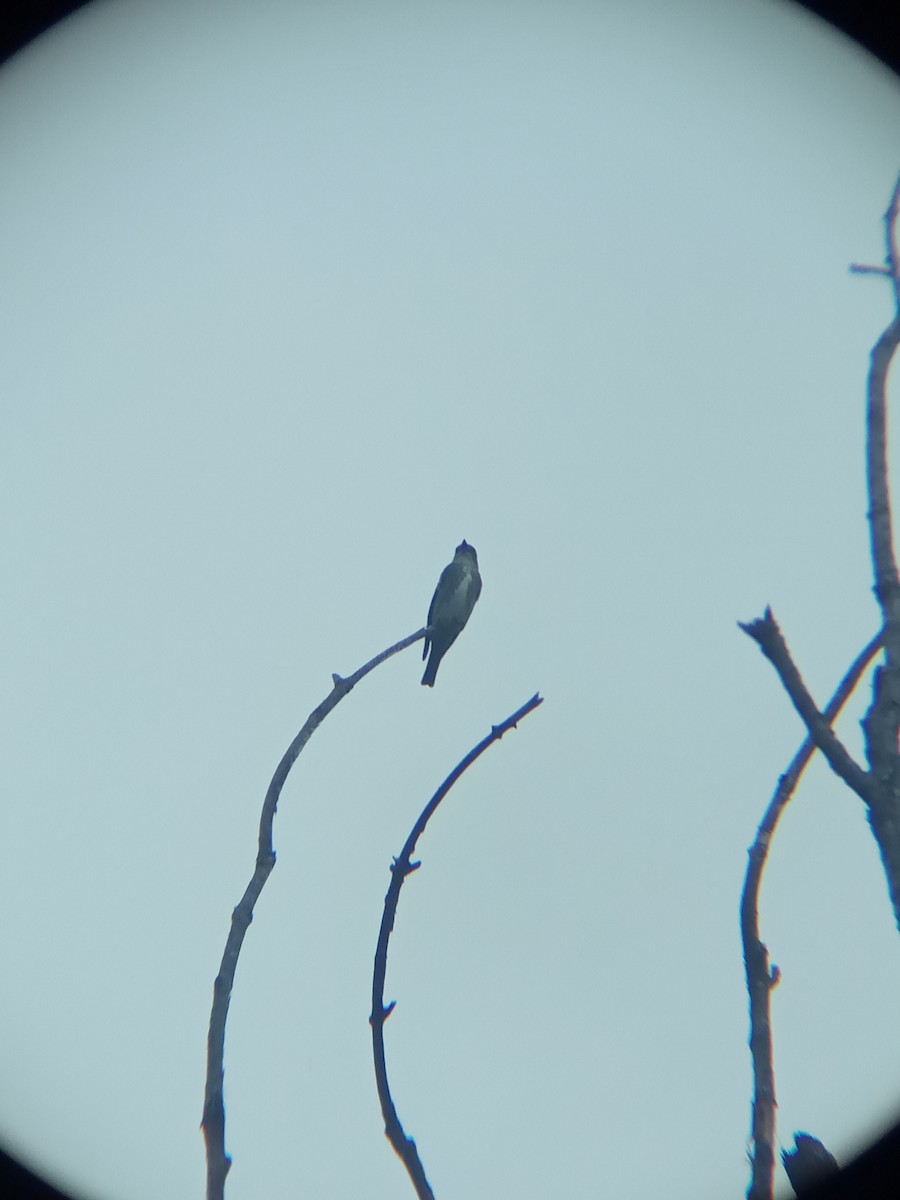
{"points": [[451, 606], [808, 1163]]}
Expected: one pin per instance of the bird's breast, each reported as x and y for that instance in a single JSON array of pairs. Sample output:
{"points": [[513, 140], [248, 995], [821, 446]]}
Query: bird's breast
{"points": [[458, 602]]}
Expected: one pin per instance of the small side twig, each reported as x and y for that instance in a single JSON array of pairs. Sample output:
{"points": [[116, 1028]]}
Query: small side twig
{"points": [[213, 1123], [865, 269], [761, 978], [402, 866], [766, 633], [890, 268]]}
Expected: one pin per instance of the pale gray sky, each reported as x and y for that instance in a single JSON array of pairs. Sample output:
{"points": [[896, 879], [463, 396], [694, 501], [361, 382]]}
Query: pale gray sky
{"points": [[295, 297]]}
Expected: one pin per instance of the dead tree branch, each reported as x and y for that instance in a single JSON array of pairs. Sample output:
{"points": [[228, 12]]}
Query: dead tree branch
{"points": [[881, 726], [879, 785], [761, 978], [402, 866], [213, 1123], [766, 633]]}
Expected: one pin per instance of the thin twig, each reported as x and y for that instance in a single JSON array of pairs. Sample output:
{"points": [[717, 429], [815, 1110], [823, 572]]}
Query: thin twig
{"points": [[402, 866], [864, 269], [760, 977], [213, 1123]]}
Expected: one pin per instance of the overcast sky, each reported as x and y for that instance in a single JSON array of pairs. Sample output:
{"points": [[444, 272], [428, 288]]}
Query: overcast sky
{"points": [[295, 297]]}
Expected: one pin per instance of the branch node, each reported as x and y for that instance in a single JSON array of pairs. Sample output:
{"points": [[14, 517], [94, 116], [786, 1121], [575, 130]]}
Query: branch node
{"points": [[403, 867]]}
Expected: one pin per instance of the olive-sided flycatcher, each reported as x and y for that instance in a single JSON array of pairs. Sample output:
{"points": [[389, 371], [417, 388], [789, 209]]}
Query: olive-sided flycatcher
{"points": [[451, 606]]}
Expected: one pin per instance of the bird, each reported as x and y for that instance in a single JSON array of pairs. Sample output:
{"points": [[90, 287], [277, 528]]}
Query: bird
{"points": [[808, 1163], [451, 606]]}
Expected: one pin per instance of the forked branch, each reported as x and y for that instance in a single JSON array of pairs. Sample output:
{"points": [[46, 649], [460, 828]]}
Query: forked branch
{"points": [[769, 637], [761, 978]]}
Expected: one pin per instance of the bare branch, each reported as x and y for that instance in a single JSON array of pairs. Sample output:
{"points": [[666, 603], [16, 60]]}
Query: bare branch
{"points": [[402, 866], [765, 631], [862, 269], [890, 221], [213, 1123], [891, 267], [887, 583], [761, 978], [881, 725]]}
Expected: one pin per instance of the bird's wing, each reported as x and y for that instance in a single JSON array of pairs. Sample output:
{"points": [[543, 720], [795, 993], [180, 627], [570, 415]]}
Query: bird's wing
{"points": [[476, 590], [431, 607], [446, 583]]}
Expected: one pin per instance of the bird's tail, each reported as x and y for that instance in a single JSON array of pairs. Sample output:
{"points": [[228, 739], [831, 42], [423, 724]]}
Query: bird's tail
{"points": [[430, 670]]}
